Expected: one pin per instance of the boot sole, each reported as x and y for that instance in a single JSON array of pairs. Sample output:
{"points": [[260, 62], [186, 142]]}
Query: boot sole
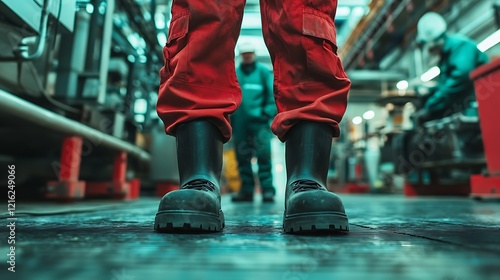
{"points": [[327, 222], [188, 221]]}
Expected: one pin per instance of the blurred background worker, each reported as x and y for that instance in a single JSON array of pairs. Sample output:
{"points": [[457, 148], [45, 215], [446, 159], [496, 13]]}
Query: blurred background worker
{"points": [[458, 56], [251, 125]]}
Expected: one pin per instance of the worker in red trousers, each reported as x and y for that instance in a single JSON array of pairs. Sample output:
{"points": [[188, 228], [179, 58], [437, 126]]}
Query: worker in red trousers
{"points": [[199, 91]]}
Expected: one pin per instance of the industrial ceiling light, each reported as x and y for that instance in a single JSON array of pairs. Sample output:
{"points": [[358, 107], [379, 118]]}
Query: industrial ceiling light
{"points": [[343, 11], [357, 120], [358, 11], [368, 115], [402, 85], [489, 42], [430, 74], [162, 38], [131, 58], [141, 106], [139, 118], [89, 8], [160, 21]]}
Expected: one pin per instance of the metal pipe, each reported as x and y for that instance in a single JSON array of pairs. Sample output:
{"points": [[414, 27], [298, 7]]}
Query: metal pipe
{"points": [[365, 36], [22, 109], [107, 33], [24, 53], [378, 34]]}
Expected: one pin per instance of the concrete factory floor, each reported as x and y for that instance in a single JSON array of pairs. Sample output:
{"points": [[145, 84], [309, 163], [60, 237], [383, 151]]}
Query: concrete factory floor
{"points": [[391, 237]]}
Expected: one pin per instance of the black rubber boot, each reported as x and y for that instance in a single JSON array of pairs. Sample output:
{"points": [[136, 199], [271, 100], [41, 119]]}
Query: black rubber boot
{"points": [[309, 206], [196, 206]]}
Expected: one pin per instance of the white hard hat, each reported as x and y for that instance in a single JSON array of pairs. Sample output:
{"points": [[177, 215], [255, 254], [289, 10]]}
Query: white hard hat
{"points": [[431, 27], [246, 48]]}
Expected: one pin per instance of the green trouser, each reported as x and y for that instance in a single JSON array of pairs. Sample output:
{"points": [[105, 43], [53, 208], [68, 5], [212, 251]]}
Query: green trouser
{"points": [[253, 138]]}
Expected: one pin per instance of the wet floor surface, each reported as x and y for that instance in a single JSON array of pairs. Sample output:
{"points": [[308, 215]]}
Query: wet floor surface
{"points": [[391, 237]]}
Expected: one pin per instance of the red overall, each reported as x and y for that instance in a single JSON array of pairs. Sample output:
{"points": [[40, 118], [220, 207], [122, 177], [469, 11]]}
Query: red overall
{"points": [[199, 79]]}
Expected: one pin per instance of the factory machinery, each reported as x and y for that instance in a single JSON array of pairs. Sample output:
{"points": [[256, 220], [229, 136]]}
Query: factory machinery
{"points": [[78, 87]]}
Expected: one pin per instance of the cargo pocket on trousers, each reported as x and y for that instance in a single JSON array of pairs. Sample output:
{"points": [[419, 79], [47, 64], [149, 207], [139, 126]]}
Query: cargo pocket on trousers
{"points": [[320, 45], [176, 43]]}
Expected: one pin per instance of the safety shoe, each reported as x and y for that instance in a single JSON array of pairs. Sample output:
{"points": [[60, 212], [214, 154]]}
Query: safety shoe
{"points": [[195, 206], [309, 206]]}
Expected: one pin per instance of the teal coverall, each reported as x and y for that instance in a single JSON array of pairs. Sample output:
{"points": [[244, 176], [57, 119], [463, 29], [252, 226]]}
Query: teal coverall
{"points": [[455, 90], [251, 125]]}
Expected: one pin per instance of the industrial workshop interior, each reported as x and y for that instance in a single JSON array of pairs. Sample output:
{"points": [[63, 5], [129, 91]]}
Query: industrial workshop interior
{"points": [[353, 139]]}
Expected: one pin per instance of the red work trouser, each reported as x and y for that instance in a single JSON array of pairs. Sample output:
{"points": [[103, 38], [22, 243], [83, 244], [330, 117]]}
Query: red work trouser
{"points": [[199, 79]]}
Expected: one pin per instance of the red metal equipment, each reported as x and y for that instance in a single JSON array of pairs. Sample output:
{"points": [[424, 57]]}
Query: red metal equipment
{"points": [[68, 187], [487, 84], [119, 187]]}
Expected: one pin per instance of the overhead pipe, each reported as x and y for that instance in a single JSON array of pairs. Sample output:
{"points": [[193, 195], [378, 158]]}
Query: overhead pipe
{"points": [[378, 34], [365, 36], [22, 54], [22, 109]]}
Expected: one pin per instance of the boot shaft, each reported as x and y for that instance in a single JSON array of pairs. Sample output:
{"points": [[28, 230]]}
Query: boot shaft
{"points": [[199, 151], [307, 153]]}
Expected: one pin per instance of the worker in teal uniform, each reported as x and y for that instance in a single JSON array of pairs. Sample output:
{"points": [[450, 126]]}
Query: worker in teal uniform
{"points": [[251, 125], [459, 56]]}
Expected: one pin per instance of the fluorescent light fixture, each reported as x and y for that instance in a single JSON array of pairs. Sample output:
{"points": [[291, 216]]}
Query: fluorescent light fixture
{"points": [[430, 74], [357, 120], [343, 11], [133, 40], [141, 106], [162, 38], [140, 51], [102, 8], [359, 11], [139, 118], [368, 115], [131, 58], [160, 22], [489, 42], [136, 41], [89, 8], [402, 85]]}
